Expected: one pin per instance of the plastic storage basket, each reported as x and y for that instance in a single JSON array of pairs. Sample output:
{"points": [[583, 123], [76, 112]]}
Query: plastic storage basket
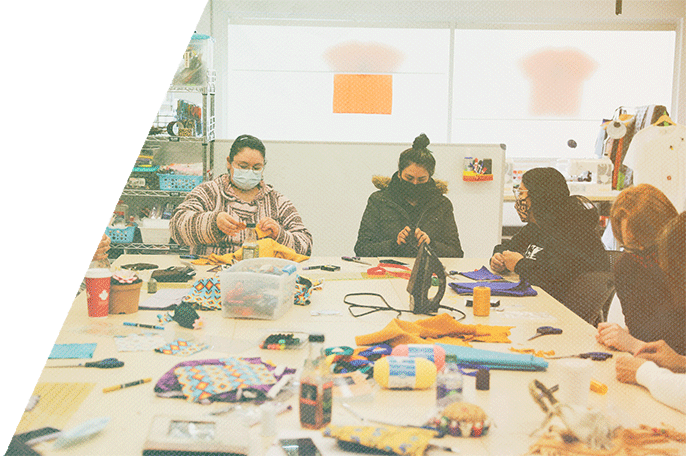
{"points": [[121, 235], [260, 288], [178, 182]]}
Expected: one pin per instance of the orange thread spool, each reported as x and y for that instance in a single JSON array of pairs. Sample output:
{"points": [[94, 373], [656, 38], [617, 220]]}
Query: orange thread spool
{"points": [[482, 301]]}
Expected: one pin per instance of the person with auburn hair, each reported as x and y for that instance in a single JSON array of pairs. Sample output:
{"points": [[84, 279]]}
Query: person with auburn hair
{"points": [[408, 209], [651, 298], [656, 365], [559, 241]]}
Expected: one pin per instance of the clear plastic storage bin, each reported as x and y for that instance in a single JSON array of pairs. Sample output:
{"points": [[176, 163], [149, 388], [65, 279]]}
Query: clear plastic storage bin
{"points": [[261, 288], [196, 62]]}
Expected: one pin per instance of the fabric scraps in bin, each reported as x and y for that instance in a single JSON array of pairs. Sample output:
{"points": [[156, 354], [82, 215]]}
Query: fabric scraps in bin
{"points": [[519, 289], [201, 382], [399, 440], [72, 351], [268, 248], [169, 386], [440, 328], [181, 347], [205, 294], [138, 342]]}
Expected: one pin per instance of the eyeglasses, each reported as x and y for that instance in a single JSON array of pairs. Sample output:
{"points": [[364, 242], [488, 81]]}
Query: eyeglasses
{"points": [[518, 193], [255, 167]]}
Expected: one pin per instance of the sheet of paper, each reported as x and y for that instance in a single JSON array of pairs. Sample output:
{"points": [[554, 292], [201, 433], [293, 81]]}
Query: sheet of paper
{"points": [[72, 351], [56, 404], [138, 342], [165, 298]]}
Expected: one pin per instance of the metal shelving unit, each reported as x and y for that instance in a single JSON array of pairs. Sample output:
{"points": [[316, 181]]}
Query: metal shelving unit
{"points": [[206, 141]]}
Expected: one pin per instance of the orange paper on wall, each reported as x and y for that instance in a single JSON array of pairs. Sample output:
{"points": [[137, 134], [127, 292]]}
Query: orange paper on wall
{"points": [[362, 93]]}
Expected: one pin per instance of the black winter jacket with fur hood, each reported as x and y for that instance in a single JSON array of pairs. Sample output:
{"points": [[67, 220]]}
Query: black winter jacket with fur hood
{"points": [[388, 213]]}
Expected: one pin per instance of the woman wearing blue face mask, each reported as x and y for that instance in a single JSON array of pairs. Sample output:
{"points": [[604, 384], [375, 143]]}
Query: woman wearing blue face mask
{"points": [[408, 209], [213, 217]]}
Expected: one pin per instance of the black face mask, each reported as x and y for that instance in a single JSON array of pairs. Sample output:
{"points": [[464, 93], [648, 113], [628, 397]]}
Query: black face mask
{"points": [[415, 192]]}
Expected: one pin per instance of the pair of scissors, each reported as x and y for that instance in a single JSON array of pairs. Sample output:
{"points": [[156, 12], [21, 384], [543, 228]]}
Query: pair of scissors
{"points": [[595, 356], [544, 331]]}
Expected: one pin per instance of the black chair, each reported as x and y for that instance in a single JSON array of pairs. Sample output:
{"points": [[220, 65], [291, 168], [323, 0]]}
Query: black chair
{"points": [[589, 296]]}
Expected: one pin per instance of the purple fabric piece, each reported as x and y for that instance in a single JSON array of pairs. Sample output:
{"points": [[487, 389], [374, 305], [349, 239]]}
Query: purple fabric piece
{"points": [[169, 386], [481, 274], [521, 288]]}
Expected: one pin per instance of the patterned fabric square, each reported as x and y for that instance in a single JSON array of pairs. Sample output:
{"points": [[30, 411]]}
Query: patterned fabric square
{"points": [[205, 294], [181, 347], [202, 382]]}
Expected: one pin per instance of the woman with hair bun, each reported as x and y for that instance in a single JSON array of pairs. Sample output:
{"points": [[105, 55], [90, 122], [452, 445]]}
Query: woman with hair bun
{"points": [[559, 241], [408, 209]]}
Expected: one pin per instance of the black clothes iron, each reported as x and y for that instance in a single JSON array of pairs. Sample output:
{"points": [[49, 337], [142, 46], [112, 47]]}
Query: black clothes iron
{"points": [[425, 266]]}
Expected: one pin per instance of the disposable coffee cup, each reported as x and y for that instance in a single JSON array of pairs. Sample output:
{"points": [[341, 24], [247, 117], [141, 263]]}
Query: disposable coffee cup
{"points": [[98, 292], [574, 380]]}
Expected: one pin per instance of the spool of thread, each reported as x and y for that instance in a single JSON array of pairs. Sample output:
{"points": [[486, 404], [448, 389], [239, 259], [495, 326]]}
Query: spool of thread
{"points": [[432, 352], [482, 301], [403, 372], [574, 378], [483, 379]]}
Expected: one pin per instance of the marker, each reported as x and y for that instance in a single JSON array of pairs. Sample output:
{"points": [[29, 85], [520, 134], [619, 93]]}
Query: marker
{"points": [[307, 268], [126, 323], [126, 385], [355, 259]]}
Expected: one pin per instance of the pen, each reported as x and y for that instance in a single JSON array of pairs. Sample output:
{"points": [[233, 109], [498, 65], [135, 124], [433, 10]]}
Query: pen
{"points": [[355, 260], [142, 325], [307, 268], [126, 385]]}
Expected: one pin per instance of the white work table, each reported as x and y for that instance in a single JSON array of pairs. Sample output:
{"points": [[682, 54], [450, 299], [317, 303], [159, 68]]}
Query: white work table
{"points": [[508, 402]]}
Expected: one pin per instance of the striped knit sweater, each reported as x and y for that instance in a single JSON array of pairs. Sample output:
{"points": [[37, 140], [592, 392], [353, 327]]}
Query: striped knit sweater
{"points": [[194, 221]]}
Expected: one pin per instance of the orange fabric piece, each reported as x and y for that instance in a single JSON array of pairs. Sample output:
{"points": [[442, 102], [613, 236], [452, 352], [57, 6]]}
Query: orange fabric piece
{"points": [[362, 93], [268, 248], [441, 328], [531, 351]]}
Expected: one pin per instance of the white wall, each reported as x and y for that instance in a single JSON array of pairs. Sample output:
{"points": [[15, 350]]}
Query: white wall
{"points": [[594, 14]]}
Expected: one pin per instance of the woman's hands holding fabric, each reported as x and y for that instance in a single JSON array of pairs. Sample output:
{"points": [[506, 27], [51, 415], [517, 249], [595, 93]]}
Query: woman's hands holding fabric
{"points": [[103, 247], [498, 263], [663, 355], [626, 367], [613, 335], [402, 236], [421, 236], [229, 225], [510, 259], [270, 226]]}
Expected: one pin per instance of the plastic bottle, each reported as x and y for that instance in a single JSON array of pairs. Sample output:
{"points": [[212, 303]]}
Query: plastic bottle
{"points": [[449, 383], [250, 247], [316, 384]]}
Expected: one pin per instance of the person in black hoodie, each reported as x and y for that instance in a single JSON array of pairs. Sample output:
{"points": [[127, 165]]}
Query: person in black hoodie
{"points": [[408, 210], [559, 241]]}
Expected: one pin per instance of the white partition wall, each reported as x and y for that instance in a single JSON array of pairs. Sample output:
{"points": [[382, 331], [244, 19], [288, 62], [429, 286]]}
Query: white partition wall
{"points": [[329, 184]]}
